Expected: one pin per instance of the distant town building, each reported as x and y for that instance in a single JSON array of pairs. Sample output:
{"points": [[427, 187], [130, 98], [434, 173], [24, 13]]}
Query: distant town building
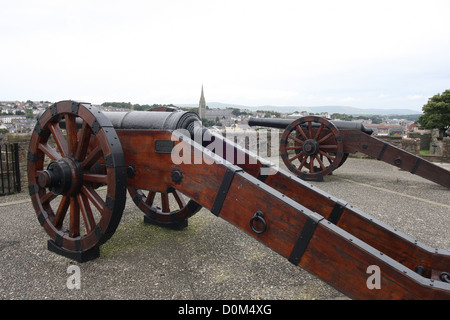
{"points": [[386, 129], [11, 118], [220, 115]]}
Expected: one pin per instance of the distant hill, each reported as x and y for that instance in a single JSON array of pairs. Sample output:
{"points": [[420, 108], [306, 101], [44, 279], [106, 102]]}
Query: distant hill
{"points": [[318, 109], [361, 111]]}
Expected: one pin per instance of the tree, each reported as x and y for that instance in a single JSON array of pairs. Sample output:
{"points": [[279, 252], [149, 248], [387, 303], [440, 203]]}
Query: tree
{"points": [[29, 114], [236, 112], [436, 113]]}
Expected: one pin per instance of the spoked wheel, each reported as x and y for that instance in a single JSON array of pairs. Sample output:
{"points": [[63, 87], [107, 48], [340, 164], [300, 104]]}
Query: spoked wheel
{"points": [[164, 208], [73, 150], [312, 147]]}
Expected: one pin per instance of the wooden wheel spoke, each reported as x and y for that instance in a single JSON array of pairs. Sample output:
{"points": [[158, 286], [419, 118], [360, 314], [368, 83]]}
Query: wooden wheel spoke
{"points": [[319, 132], [310, 129], [295, 148], [331, 159], [302, 133], [311, 164], [302, 164], [74, 228], [83, 141], [61, 212], [295, 139], [179, 199], [48, 197], [298, 155], [94, 198], [91, 158], [150, 198], [165, 202], [49, 151], [71, 130], [96, 178], [325, 138], [59, 138], [86, 212], [320, 162]]}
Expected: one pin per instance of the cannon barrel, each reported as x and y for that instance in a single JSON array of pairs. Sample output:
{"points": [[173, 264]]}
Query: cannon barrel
{"points": [[269, 122], [157, 120], [283, 123]]}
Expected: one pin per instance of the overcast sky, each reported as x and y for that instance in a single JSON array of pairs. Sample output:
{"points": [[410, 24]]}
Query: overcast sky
{"points": [[384, 54]]}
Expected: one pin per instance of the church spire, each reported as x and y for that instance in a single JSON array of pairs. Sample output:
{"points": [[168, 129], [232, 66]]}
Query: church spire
{"points": [[202, 106]]}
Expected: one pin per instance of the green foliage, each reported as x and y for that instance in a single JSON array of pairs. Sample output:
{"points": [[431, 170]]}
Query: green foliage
{"points": [[209, 123], [29, 115], [269, 114], [238, 112], [436, 113], [342, 116], [189, 109], [123, 105]]}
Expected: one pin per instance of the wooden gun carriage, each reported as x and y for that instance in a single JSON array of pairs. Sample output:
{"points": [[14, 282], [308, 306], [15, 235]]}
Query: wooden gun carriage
{"points": [[82, 161], [313, 147]]}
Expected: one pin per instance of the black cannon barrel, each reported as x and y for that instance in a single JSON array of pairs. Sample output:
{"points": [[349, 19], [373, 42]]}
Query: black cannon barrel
{"points": [[269, 122], [283, 123], [158, 120]]}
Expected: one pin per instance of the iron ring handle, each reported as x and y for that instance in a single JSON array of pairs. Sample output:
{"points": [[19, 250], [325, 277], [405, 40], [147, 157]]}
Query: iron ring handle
{"points": [[259, 216], [445, 277]]}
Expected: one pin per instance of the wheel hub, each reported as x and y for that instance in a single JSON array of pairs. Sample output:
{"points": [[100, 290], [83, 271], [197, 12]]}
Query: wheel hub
{"points": [[310, 147], [62, 177]]}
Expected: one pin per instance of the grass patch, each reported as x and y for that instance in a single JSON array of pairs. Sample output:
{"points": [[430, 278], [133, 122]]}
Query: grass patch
{"points": [[133, 235]]}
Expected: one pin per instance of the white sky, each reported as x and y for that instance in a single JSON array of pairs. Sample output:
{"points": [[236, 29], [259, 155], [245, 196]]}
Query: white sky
{"points": [[384, 54]]}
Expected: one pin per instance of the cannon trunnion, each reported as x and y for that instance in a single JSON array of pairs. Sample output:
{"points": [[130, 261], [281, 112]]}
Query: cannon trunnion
{"points": [[81, 162]]}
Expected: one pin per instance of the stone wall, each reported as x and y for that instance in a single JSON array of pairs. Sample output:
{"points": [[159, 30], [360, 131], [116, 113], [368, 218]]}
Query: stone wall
{"points": [[417, 142], [425, 139], [411, 145], [446, 149]]}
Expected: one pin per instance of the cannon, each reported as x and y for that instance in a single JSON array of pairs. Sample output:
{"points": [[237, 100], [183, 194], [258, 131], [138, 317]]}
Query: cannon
{"points": [[82, 162], [313, 147]]}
